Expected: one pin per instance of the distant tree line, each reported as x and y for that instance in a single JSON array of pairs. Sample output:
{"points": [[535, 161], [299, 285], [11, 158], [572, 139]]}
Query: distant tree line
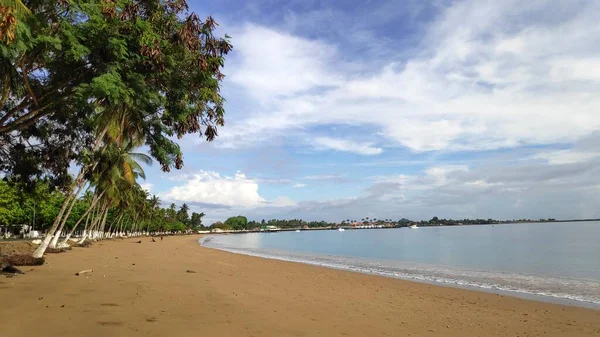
{"points": [[241, 223]]}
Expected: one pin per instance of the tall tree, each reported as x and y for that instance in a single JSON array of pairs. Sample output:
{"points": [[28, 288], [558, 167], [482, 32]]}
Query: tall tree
{"points": [[196, 220], [182, 214], [151, 62]]}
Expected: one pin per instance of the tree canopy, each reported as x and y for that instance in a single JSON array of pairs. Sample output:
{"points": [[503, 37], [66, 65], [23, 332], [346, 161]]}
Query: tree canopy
{"points": [[77, 70], [85, 84]]}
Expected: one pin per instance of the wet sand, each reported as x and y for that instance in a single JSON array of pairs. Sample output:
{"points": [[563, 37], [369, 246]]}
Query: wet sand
{"points": [[144, 290]]}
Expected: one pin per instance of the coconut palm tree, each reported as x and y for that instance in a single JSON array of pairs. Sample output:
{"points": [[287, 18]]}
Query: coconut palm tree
{"points": [[114, 173], [92, 200]]}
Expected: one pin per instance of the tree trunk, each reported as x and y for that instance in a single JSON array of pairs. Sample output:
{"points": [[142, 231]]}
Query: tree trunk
{"points": [[86, 214], [93, 233], [39, 252], [66, 215], [103, 225], [86, 229], [121, 225], [116, 221]]}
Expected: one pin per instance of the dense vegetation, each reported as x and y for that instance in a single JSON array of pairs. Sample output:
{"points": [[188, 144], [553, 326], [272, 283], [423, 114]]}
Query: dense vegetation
{"points": [[88, 84], [242, 223], [38, 206]]}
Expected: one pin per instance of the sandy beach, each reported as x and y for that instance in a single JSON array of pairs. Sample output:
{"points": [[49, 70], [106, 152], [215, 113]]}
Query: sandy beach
{"points": [[145, 290]]}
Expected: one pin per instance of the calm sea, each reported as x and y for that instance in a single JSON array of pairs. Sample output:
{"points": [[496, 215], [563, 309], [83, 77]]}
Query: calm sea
{"points": [[552, 261]]}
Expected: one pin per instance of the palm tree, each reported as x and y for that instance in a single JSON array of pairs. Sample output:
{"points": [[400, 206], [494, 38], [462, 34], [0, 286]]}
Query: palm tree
{"points": [[114, 173], [92, 200], [154, 204]]}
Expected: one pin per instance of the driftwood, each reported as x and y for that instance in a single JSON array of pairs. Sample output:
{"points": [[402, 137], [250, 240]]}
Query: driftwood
{"points": [[84, 271]]}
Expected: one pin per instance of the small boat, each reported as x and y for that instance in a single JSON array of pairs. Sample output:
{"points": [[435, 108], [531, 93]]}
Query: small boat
{"points": [[413, 227], [297, 231], [341, 229]]}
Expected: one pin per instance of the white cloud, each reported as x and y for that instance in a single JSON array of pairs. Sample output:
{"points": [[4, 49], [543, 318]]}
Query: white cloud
{"points": [[566, 156], [147, 186], [366, 149], [282, 202], [207, 187], [276, 63], [299, 185], [440, 173], [528, 190], [489, 75]]}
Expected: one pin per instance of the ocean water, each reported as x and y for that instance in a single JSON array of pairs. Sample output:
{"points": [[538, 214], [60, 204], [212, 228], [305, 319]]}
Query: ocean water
{"points": [[559, 262]]}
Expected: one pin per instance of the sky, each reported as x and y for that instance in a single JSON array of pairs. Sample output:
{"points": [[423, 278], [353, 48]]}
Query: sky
{"points": [[389, 109]]}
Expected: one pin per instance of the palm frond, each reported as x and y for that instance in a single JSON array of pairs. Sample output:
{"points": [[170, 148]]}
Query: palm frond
{"points": [[141, 157]]}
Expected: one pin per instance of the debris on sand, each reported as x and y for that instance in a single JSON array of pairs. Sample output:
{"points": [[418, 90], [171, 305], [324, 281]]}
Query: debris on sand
{"points": [[84, 272], [51, 250], [11, 270], [190, 271], [22, 260]]}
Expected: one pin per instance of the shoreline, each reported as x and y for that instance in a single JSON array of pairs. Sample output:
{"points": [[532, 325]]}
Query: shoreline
{"points": [[370, 267], [512, 293], [144, 290]]}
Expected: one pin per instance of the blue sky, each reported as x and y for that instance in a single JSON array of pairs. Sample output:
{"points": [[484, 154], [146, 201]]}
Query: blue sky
{"points": [[391, 109]]}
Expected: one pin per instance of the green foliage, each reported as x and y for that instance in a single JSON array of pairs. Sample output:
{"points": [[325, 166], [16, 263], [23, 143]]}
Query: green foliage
{"points": [[182, 215], [236, 223], [10, 210], [131, 208], [143, 70], [196, 221]]}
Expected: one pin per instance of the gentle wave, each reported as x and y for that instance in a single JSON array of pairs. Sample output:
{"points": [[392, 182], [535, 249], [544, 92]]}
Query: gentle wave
{"points": [[586, 292]]}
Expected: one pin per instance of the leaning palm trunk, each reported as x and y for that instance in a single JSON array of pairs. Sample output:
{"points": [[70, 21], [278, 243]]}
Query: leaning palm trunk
{"points": [[118, 225], [39, 252], [87, 232], [85, 215], [67, 214], [116, 221], [103, 225], [93, 233], [86, 229], [121, 226]]}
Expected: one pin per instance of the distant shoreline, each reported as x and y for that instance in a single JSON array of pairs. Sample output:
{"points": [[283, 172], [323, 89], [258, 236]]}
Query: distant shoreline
{"points": [[374, 226]]}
